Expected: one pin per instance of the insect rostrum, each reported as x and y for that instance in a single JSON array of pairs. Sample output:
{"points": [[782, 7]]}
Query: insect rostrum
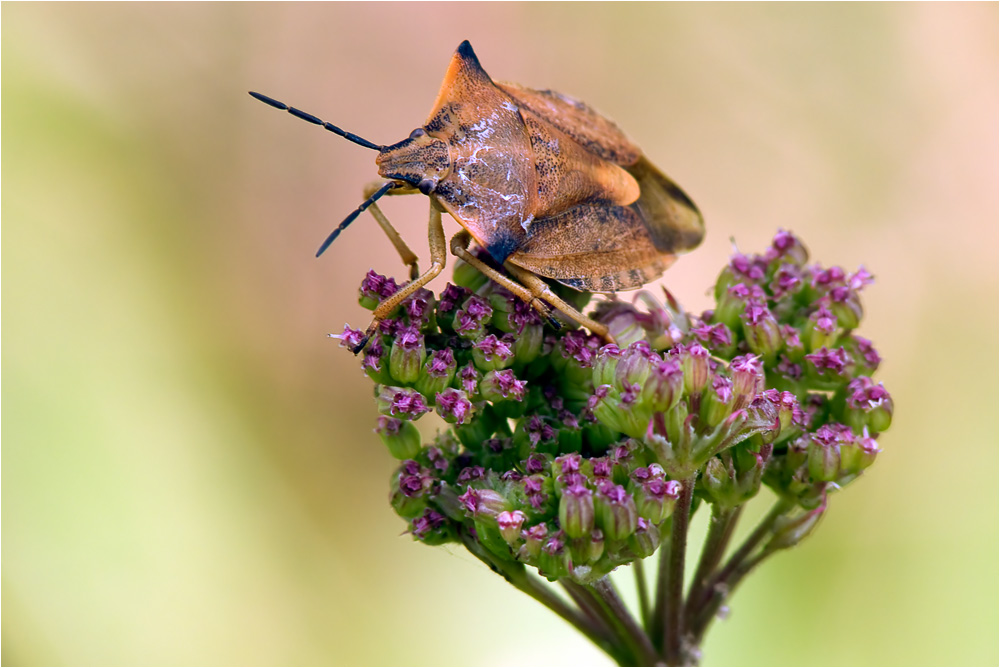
{"points": [[549, 187]]}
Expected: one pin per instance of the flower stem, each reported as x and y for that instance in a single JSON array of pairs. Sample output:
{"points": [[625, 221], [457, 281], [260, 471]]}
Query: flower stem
{"points": [[588, 600], [588, 607], [518, 576], [643, 592], [637, 639], [725, 580], [673, 591], [720, 532]]}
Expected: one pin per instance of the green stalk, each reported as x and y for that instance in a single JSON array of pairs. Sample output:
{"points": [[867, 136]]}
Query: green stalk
{"points": [[588, 600], [637, 639], [642, 590], [518, 576], [673, 607], [720, 532], [703, 611]]}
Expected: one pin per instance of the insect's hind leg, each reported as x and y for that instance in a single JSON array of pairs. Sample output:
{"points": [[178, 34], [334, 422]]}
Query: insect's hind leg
{"points": [[540, 290], [460, 249], [408, 257]]}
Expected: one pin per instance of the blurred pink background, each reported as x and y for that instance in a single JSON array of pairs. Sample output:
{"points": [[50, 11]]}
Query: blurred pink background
{"points": [[189, 473]]}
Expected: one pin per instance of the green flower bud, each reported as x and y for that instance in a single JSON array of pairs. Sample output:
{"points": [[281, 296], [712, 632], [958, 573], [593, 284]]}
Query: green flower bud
{"points": [[727, 279], [635, 365], [717, 402], [731, 302], [664, 386], [859, 453], [821, 330], [492, 353], [824, 454], [789, 248], [761, 331], [437, 373], [605, 366], [483, 503], [624, 324], [502, 385], [408, 504], [588, 549], [454, 406], [717, 481], [400, 402], [576, 511], [407, 355], [845, 304], [554, 559], [655, 498], [402, 438], [534, 537], [510, 522], [790, 531], [616, 512], [528, 344], [694, 363], [374, 289], [748, 379], [645, 540], [868, 405], [432, 528]]}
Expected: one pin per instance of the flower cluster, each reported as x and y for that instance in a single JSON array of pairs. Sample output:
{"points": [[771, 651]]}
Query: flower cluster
{"points": [[569, 454]]}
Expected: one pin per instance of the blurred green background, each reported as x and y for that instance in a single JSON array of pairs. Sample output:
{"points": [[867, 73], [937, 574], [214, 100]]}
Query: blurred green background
{"points": [[189, 474]]}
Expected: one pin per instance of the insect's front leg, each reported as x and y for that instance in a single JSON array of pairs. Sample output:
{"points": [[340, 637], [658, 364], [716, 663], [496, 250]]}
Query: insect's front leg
{"points": [[439, 255], [408, 257], [460, 249], [541, 290]]}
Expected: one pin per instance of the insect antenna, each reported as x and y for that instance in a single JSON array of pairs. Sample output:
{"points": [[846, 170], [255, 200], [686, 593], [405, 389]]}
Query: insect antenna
{"points": [[354, 214], [298, 113]]}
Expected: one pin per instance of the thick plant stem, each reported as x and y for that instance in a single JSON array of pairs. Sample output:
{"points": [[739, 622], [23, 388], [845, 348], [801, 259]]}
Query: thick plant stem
{"points": [[656, 622], [673, 606], [739, 564], [637, 639], [517, 575], [720, 532], [589, 608], [643, 593], [588, 600]]}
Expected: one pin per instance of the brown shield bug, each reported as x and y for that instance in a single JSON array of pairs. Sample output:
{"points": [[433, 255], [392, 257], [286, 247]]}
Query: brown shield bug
{"points": [[546, 185]]}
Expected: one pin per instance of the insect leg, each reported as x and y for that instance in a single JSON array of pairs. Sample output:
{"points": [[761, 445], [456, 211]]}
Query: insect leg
{"points": [[460, 249], [540, 289], [439, 255], [408, 257]]}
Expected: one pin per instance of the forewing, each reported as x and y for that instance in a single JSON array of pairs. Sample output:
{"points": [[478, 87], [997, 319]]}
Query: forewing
{"points": [[577, 119], [594, 248]]}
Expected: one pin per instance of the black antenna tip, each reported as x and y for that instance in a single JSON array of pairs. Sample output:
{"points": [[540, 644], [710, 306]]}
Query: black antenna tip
{"points": [[329, 240], [269, 101]]}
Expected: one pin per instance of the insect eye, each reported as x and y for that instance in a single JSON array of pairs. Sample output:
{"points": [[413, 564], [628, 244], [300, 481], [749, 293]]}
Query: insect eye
{"points": [[419, 132], [426, 186]]}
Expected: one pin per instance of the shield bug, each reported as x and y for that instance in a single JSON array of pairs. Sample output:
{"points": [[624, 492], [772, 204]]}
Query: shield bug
{"points": [[546, 185]]}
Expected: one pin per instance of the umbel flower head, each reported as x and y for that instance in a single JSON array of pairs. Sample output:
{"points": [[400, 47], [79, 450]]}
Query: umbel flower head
{"points": [[569, 454]]}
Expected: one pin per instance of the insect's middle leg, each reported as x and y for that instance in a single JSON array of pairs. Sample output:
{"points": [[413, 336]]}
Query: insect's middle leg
{"points": [[408, 257], [439, 255], [460, 249], [540, 290]]}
